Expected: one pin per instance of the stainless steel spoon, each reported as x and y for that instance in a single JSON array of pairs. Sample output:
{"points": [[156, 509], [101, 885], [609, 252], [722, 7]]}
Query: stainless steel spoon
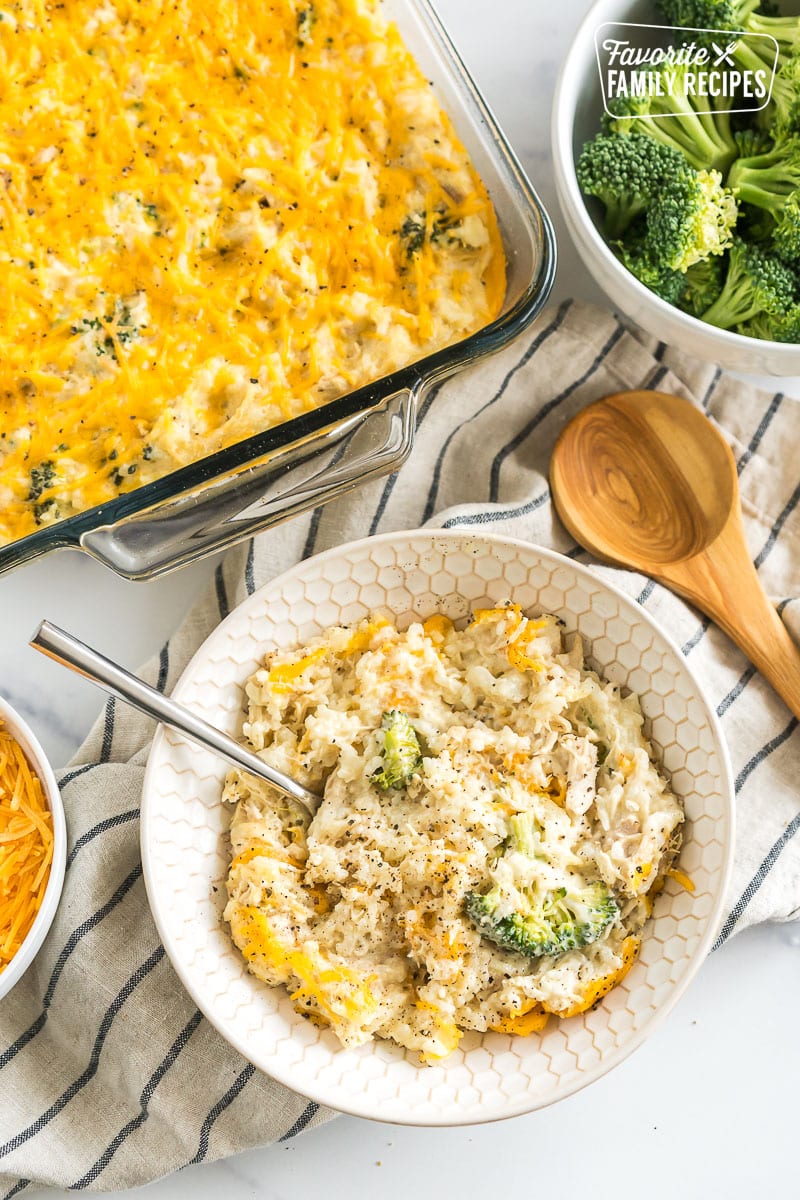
{"points": [[70, 652]]}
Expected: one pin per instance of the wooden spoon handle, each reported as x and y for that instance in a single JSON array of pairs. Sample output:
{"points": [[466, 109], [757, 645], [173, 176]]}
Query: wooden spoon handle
{"points": [[724, 584]]}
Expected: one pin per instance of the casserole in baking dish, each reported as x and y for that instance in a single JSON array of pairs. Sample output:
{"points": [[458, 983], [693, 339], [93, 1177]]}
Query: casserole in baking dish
{"points": [[213, 228]]}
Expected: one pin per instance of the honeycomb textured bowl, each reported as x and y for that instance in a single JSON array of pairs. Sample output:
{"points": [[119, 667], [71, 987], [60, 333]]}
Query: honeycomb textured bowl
{"points": [[186, 854]]}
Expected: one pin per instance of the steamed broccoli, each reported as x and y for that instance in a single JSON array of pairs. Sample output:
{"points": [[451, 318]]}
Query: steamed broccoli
{"points": [[550, 923], [625, 174], [672, 208], [688, 214], [708, 14], [782, 328], [542, 922], [669, 113], [400, 749], [702, 285], [635, 254], [726, 15], [757, 285], [771, 181], [750, 142], [782, 114], [692, 219]]}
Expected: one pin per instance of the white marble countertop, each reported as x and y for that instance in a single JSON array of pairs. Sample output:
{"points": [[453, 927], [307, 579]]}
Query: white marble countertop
{"points": [[708, 1105]]}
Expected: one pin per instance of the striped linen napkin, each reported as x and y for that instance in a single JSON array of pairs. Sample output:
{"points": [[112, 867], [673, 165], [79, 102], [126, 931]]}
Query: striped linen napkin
{"points": [[110, 1077]]}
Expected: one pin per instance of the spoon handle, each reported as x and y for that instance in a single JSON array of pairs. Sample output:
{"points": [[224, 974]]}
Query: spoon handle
{"points": [[70, 652], [724, 584]]}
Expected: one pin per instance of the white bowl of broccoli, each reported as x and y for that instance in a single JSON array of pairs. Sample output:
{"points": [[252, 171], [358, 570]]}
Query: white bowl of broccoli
{"points": [[691, 225]]}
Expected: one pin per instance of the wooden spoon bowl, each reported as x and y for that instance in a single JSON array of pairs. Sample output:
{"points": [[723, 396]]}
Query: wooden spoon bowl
{"points": [[644, 480]]}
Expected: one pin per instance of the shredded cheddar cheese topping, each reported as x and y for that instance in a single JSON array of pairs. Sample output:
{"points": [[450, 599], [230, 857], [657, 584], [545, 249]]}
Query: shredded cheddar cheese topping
{"points": [[26, 847], [213, 219]]}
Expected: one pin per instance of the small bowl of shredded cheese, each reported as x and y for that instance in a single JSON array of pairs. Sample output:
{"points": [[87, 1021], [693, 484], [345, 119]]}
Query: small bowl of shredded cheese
{"points": [[33, 840]]}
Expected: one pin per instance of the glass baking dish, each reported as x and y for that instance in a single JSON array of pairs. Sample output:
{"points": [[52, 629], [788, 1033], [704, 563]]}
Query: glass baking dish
{"points": [[295, 466]]}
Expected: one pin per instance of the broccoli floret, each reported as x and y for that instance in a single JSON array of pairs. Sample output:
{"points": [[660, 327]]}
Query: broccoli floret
{"points": [[635, 254], [765, 180], [688, 214], [702, 285], [750, 142], [626, 174], [548, 924], [524, 834], [771, 182], [783, 328], [755, 225], [669, 114], [757, 285], [782, 114], [534, 921], [692, 219], [786, 233], [726, 15], [708, 14], [400, 750]]}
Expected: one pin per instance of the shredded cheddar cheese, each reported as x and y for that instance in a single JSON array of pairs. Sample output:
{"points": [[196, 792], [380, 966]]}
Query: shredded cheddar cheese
{"points": [[332, 992], [26, 847], [213, 219], [686, 882], [602, 986], [530, 1018]]}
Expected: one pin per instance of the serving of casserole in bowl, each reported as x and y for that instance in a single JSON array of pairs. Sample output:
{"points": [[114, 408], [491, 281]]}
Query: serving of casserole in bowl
{"points": [[238, 252], [510, 878]]}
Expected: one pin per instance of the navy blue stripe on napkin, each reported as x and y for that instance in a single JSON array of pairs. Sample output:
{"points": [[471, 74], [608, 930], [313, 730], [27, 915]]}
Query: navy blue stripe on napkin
{"points": [[544, 412], [222, 595], [108, 729], [238, 1085], [132, 814], [764, 425], [307, 1115], [774, 533], [72, 941], [78, 1084], [163, 667], [755, 883], [764, 753], [161, 1070], [18, 1187], [712, 387], [493, 516], [735, 691], [548, 331]]}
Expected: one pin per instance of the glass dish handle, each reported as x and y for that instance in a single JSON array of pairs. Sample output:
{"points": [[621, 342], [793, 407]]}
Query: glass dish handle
{"points": [[269, 490]]}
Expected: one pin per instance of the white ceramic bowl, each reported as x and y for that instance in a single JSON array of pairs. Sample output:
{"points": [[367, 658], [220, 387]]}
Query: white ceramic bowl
{"points": [[577, 111], [44, 918], [186, 855]]}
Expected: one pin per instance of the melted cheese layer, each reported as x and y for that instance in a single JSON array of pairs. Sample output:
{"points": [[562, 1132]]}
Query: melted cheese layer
{"points": [[212, 219]]}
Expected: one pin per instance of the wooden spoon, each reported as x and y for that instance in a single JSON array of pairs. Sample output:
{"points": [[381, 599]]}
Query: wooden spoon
{"points": [[644, 480]]}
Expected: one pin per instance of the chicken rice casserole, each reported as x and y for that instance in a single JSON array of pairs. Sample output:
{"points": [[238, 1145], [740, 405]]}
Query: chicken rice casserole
{"points": [[492, 832], [213, 218]]}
